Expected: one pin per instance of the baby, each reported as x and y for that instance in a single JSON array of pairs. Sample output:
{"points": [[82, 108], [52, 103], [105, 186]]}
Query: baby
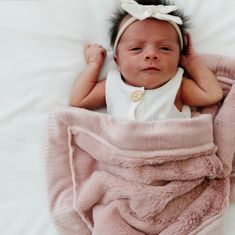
{"points": [[151, 50]]}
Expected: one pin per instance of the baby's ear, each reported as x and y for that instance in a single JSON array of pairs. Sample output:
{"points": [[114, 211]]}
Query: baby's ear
{"points": [[185, 40]]}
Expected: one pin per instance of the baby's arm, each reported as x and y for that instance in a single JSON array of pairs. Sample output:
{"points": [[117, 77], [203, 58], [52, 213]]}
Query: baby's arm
{"points": [[203, 89], [87, 92]]}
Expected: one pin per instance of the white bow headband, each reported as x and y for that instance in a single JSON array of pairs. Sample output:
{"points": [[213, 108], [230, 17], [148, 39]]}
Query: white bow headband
{"points": [[141, 12]]}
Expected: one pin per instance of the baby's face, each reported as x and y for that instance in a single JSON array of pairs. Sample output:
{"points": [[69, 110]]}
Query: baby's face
{"points": [[148, 53]]}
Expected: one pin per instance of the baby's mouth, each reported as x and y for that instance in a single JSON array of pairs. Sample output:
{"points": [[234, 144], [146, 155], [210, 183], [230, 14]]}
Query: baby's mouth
{"points": [[151, 68]]}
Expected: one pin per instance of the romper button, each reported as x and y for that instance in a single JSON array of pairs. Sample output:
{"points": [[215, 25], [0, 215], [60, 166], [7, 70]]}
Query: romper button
{"points": [[136, 96]]}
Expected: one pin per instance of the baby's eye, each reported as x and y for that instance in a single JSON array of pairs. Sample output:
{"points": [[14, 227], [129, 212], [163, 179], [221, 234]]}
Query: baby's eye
{"points": [[135, 48], [165, 48]]}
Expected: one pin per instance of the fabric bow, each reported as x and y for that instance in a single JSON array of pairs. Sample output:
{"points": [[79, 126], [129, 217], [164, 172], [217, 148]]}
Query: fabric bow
{"points": [[142, 12]]}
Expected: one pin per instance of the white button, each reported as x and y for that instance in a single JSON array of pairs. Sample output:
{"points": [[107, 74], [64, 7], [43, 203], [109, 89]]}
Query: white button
{"points": [[136, 96]]}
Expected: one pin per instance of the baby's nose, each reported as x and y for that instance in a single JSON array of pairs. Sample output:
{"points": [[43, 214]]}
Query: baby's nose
{"points": [[151, 54]]}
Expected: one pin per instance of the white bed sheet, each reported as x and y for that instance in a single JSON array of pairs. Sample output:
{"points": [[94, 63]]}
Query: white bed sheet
{"points": [[40, 57]]}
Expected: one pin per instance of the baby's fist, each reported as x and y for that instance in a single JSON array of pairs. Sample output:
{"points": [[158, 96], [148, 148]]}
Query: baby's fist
{"points": [[94, 54]]}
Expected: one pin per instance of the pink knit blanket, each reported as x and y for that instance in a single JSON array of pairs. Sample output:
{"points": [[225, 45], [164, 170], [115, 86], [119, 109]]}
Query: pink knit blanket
{"points": [[112, 177]]}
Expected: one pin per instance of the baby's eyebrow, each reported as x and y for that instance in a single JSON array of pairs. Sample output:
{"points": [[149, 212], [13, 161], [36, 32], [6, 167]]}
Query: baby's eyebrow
{"points": [[134, 42], [168, 42]]}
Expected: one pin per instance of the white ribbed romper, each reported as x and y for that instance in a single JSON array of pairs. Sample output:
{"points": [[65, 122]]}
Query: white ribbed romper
{"points": [[135, 103]]}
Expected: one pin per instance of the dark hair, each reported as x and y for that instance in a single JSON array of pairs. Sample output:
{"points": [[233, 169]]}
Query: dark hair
{"points": [[119, 14]]}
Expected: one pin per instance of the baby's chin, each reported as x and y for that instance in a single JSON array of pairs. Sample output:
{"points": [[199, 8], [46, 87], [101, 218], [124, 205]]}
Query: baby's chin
{"points": [[153, 83], [147, 80]]}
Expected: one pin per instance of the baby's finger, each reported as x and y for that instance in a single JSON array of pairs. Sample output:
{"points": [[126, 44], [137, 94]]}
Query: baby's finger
{"points": [[97, 45], [101, 49], [189, 40], [86, 46], [104, 52]]}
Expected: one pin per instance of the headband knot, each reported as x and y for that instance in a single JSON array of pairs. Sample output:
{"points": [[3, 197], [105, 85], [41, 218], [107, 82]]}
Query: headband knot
{"points": [[142, 12]]}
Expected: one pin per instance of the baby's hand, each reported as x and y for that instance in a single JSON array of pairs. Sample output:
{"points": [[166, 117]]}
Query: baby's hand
{"points": [[189, 56], [94, 54]]}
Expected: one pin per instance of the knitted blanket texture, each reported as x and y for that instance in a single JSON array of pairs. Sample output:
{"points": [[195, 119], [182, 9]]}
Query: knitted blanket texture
{"points": [[112, 177]]}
